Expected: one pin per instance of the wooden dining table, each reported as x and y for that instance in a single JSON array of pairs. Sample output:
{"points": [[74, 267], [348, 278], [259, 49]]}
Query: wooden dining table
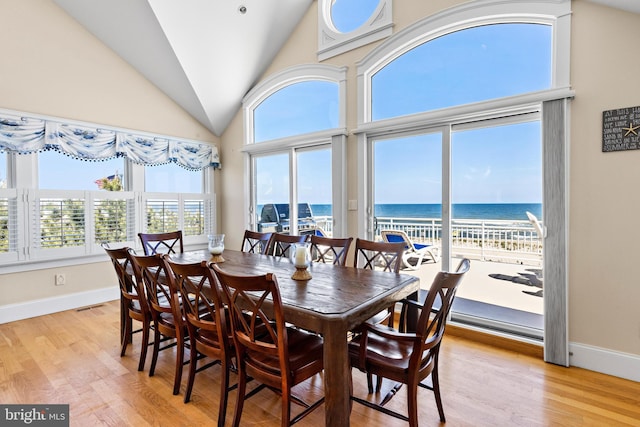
{"points": [[334, 301]]}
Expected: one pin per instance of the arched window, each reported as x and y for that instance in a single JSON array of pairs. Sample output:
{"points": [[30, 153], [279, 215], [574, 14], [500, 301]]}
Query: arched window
{"points": [[483, 89], [466, 66], [294, 125], [299, 108], [298, 101]]}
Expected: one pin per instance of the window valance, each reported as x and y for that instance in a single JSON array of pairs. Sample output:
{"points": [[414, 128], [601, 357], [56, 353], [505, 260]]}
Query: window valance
{"points": [[24, 135]]}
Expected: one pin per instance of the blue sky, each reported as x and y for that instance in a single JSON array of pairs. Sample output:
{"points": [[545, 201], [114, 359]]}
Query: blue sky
{"points": [[489, 165], [61, 172], [348, 15]]}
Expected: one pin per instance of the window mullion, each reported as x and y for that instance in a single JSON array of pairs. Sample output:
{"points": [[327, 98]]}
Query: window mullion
{"points": [[89, 224]]}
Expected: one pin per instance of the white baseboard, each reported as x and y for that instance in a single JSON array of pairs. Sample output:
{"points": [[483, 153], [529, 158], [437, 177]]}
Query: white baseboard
{"points": [[40, 307], [623, 365]]}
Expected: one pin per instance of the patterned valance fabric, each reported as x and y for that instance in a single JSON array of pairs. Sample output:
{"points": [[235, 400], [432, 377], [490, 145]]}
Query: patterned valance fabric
{"points": [[21, 134], [26, 135]]}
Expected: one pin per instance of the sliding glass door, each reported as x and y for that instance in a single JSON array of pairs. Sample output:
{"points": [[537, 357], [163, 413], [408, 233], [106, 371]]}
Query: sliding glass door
{"points": [[407, 193], [302, 175], [488, 176], [496, 187]]}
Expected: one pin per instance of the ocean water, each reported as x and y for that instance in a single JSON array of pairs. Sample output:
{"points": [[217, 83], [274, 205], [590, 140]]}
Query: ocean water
{"points": [[502, 211]]}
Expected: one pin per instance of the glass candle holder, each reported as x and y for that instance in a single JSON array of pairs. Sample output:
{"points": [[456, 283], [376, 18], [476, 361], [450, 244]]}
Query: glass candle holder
{"points": [[301, 257], [216, 247]]}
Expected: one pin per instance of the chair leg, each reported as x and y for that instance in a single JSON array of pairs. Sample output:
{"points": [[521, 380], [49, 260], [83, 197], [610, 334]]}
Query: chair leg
{"points": [[350, 389], [412, 403], [179, 363], [402, 322], [436, 391], [370, 382], [126, 335], [286, 408], [224, 392], [242, 388], [193, 360], [144, 345], [156, 349], [392, 313]]}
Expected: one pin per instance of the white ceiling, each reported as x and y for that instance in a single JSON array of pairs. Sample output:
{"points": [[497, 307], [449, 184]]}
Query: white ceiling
{"points": [[204, 54]]}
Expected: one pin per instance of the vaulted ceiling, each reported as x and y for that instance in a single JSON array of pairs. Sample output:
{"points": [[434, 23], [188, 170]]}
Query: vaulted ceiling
{"points": [[204, 54], [628, 5]]}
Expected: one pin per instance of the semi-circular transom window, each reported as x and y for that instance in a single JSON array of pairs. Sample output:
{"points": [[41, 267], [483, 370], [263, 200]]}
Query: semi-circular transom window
{"points": [[299, 108], [471, 65]]}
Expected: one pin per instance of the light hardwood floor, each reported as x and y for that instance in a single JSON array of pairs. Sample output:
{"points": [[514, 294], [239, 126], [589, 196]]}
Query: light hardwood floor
{"points": [[74, 358]]}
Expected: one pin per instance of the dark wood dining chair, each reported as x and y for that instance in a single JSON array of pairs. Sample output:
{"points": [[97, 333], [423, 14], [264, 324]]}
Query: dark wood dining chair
{"points": [[255, 242], [268, 351], [409, 357], [280, 243], [162, 243], [207, 323], [378, 255], [133, 301], [330, 250], [165, 308], [373, 255]]}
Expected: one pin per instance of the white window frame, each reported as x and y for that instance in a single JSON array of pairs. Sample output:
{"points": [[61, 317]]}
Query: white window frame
{"points": [[288, 77], [556, 13], [180, 199], [23, 179]]}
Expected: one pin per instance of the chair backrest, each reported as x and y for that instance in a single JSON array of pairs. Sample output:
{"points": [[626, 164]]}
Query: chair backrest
{"points": [[432, 322], [395, 236], [257, 334], [202, 304], [130, 288], [280, 243], [330, 250], [162, 296], [161, 243], [255, 242], [384, 255]]}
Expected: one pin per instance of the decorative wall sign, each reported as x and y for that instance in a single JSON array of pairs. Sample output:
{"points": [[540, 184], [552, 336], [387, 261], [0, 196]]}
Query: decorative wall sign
{"points": [[621, 129]]}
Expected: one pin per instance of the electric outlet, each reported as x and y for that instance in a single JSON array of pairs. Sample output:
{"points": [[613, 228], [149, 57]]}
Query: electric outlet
{"points": [[60, 279]]}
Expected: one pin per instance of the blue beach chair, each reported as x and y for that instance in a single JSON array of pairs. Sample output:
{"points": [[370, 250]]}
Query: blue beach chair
{"points": [[414, 253]]}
